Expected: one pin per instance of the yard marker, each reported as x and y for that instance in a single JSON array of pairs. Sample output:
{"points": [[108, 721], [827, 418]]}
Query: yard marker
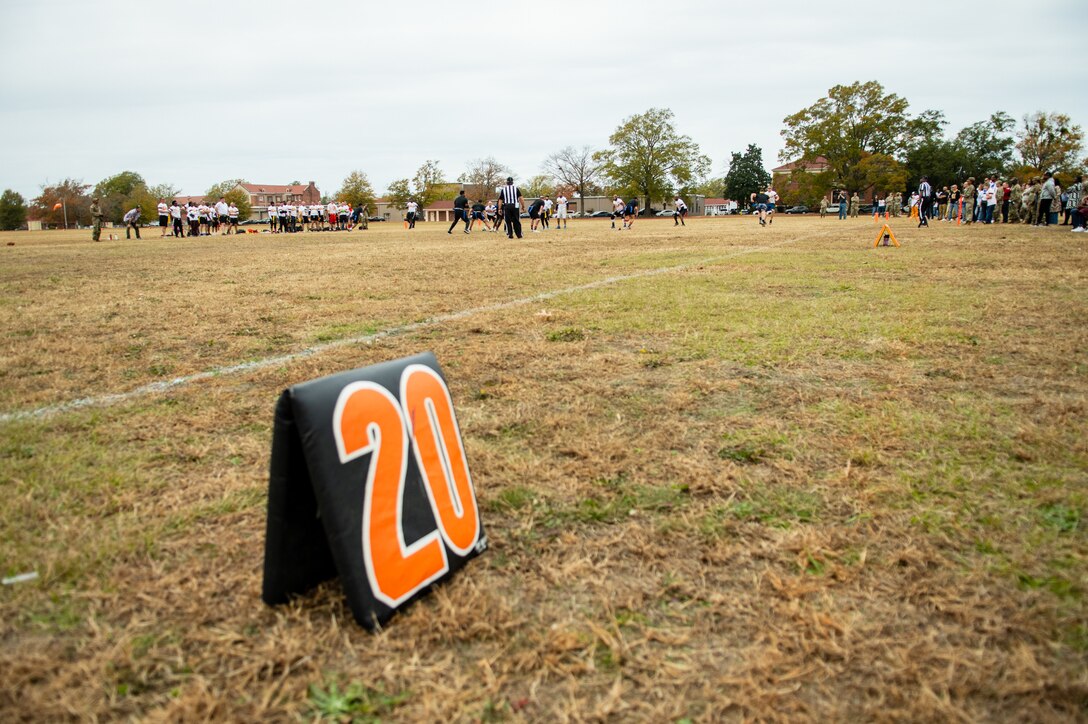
{"points": [[885, 234]]}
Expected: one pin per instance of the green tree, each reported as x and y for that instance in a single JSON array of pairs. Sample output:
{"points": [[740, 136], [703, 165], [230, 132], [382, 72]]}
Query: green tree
{"points": [[712, 187], [746, 174], [72, 195], [987, 146], [424, 188], [164, 191], [230, 192], [1051, 142], [538, 186], [425, 183], [12, 210], [801, 187], [649, 158], [852, 122], [944, 162], [400, 193], [116, 194], [356, 190], [575, 169], [883, 173]]}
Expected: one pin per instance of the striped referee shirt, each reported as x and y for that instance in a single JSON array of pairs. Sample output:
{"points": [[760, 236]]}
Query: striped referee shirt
{"points": [[925, 190], [510, 194]]}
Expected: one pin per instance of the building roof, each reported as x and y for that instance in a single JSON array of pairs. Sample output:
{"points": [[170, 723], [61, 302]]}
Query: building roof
{"points": [[182, 200], [819, 163]]}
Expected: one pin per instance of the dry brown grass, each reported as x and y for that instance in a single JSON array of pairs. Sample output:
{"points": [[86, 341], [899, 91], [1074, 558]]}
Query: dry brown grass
{"points": [[813, 482]]}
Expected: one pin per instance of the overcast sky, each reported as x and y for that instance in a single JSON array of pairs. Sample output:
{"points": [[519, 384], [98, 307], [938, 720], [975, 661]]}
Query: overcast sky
{"points": [[195, 93]]}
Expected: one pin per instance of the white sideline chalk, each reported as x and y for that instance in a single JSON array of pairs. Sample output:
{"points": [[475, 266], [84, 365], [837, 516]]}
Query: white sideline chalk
{"points": [[164, 385], [21, 578]]}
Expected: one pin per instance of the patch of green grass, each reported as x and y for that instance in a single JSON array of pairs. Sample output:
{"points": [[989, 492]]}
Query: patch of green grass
{"points": [[1058, 585], [1060, 518], [334, 332], [354, 703], [516, 498], [743, 454], [567, 334]]}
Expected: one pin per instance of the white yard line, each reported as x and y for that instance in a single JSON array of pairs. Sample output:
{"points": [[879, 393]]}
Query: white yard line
{"points": [[113, 398]]}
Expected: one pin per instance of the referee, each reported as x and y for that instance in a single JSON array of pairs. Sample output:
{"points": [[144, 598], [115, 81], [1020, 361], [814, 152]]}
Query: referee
{"points": [[924, 201], [512, 206]]}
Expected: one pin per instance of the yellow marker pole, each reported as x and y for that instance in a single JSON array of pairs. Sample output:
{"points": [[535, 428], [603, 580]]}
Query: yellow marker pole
{"points": [[886, 234]]}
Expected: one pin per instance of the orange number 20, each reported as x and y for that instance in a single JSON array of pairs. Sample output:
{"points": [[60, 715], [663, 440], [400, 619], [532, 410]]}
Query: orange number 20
{"points": [[368, 419]]}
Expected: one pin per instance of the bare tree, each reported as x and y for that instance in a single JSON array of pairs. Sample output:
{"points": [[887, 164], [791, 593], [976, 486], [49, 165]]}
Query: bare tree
{"points": [[575, 168], [487, 174]]}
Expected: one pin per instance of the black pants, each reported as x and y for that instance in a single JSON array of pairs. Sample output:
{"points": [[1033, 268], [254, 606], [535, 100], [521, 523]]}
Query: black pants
{"points": [[128, 230], [1044, 212], [512, 216], [459, 215], [1005, 212], [411, 220], [178, 231]]}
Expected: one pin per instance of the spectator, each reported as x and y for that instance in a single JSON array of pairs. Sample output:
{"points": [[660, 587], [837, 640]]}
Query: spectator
{"points": [[1046, 198], [1080, 214], [132, 219], [1073, 197]]}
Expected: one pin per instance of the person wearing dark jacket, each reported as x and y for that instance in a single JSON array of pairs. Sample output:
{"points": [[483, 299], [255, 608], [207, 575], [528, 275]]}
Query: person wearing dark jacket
{"points": [[460, 212]]}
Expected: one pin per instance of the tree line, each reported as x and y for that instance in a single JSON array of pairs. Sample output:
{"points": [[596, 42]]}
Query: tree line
{"points": [[868, 136], [873, 143]]}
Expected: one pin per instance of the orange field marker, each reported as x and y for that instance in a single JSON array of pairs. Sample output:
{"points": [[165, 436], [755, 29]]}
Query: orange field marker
{"points": [[885, 234]]}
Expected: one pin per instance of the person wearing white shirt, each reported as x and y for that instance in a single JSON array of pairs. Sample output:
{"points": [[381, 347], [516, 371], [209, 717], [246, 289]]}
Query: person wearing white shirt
{"points": [[232, 217], [413, 208], [164, 217], [546, 213], [991, 200], [221, 208], [192, 213], [282, 218], [175, 215], [617, 210], [288, 211], [772, 201], [273, 216], [560, 211], [680, 213]]}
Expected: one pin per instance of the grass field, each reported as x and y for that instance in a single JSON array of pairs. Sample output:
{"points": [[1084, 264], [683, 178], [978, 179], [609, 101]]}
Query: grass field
{"points": [[757, 473]]}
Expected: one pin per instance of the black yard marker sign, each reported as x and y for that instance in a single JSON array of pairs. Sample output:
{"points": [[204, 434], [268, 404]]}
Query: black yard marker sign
{"points": [[369, 480]]}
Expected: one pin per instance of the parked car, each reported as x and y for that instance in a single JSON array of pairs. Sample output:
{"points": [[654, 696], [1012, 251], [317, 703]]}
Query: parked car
{"points": [[832, 208], [799, 209], [865, 209], [376, 218], [665, 212], [600, 214]]}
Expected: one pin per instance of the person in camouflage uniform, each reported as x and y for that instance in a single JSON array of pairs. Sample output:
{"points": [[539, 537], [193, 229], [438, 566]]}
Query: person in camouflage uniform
{"points": [[969, 201], [1015, 197], [823, 207], [855, 204], [1028, 208], [96, 220]]}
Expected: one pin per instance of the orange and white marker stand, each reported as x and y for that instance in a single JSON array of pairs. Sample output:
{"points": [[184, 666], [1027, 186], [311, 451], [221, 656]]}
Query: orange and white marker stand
{"points": [[886, 235]]}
